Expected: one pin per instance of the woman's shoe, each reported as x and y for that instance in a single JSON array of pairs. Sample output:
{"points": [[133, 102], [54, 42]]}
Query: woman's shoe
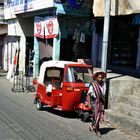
{"points": [[90, 128], [98, 133]]}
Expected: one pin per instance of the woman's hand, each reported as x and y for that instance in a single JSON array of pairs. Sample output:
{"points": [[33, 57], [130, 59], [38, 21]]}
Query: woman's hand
{"points": [[89, 103]]}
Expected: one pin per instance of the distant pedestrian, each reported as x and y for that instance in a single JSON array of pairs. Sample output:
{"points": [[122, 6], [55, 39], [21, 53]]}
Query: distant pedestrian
{"points": [[96, 101]]}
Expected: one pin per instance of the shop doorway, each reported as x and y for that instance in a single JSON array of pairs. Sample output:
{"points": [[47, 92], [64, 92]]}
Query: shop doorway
{"points": [[29, 55], [124, 42], [82, 50], [1, 48]]}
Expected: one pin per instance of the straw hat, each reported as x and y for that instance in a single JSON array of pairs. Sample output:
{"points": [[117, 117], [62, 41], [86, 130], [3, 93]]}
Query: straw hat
{"points": [[103, 73]]}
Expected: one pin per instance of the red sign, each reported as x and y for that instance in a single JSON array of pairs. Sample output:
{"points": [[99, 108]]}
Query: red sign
{"points": [[39, 27], [51, 27]]}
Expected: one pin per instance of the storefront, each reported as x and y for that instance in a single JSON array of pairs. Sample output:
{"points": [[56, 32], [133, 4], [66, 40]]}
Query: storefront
{"points": [[64, 33], [124, 42], [123, 45], [3, 35], [20, 16], [53, 29]]}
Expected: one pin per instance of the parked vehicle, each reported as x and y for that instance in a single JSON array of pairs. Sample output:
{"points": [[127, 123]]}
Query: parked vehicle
{"points": [[63, 85]]}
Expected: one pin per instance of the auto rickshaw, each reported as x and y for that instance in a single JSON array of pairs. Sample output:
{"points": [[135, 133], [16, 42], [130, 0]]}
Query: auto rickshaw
{"points": [[63, 85]]}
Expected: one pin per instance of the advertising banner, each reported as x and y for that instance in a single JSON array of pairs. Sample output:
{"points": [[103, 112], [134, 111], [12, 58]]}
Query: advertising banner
{"points": [[39, 27], [51, 27]]}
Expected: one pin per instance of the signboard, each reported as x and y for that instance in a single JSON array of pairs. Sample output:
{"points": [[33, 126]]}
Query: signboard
{"points": [[51, 27], [39, 27], [12, 7]]}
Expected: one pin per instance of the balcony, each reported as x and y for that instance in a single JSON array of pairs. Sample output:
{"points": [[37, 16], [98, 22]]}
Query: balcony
{"points": [[2, 15]]}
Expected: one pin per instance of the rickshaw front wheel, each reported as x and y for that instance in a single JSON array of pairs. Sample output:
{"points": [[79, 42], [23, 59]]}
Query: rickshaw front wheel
{"points": [[39, 105], [85, 116]]}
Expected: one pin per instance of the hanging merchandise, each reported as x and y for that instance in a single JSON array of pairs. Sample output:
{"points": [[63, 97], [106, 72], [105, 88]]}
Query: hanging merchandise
{"points": [[39, 27], [82, 38], [51, 27]]}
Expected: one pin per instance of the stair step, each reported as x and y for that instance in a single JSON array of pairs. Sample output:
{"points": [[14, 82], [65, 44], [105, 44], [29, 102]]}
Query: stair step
{"points": [[131, 100], [127, 110], [136, 90], [130, 124]]}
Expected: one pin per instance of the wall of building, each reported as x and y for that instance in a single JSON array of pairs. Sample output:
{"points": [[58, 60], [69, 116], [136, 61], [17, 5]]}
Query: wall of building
{"points": [[19, 29], [9, 48]]}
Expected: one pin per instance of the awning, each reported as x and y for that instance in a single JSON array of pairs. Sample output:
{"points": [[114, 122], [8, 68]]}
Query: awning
{"points": [[118, 7], [136, 20]]}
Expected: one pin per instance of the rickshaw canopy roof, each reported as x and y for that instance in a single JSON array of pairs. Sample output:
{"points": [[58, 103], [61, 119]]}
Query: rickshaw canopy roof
{"points": [[54, 63]]}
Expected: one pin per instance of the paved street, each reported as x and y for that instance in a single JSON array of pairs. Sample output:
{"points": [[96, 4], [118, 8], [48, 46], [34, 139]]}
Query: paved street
{"points": [[20, 120]]}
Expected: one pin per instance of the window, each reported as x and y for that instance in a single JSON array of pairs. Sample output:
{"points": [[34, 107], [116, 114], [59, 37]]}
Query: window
{"points": [[79, 74]]}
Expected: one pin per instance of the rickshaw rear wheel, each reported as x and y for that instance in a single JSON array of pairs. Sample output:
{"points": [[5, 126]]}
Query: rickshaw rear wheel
{"points": [[85, 116], [39, 105]]}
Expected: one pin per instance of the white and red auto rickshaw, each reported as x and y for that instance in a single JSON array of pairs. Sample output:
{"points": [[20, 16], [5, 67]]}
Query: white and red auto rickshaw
{"points": [[63, 85]]}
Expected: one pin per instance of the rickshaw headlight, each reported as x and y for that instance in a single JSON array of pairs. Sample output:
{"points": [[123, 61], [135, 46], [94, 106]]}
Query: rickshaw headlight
{"points": [[70, 89]]}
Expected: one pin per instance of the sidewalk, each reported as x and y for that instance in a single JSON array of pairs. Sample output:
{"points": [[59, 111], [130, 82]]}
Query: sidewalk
{"points": [[20, 85], [2, 72]]}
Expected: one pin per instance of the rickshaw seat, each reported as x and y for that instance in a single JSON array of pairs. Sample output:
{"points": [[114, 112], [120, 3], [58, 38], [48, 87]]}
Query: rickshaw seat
{"points": [[57, 84]]}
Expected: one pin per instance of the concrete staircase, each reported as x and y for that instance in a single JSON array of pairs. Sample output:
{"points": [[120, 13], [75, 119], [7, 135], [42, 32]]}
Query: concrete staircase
{"points": [[124, 103]]}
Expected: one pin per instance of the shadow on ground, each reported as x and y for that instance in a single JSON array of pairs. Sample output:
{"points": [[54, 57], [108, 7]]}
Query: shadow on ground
{"points": [[70, 115], [64, 114], [106, 130]]}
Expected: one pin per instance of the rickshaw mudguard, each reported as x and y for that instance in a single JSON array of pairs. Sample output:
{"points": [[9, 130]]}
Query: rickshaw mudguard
{"points": [[41, 94], [71, 101], [82, 107]]}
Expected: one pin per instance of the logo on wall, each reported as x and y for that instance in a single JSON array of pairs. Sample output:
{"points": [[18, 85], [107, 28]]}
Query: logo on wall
{"points": [[39, 27], [50, 27], [73, 3], [60, 1], [76, 3]]}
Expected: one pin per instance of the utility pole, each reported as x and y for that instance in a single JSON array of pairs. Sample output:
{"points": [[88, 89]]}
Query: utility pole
{"points": [[105, 34]]}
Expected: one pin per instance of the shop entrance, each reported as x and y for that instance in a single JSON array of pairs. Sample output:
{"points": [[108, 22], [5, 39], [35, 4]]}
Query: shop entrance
{"points": [[29, 56], [124, 42]]}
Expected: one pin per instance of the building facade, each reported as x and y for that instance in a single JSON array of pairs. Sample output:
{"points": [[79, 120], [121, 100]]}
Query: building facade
{"points": [[3, 33], [53, 29], [123, 46]]}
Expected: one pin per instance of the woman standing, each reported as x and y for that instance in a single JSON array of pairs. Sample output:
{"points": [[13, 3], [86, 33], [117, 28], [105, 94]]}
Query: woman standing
{"points": [[96, 101]]}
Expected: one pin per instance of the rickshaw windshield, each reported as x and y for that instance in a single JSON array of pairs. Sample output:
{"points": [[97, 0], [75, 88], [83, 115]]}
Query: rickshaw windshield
{"points": [[78, 74]]}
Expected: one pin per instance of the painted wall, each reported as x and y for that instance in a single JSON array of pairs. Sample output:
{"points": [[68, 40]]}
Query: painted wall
{"points": [[9, 48], [21, 28], [27, 25]]}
